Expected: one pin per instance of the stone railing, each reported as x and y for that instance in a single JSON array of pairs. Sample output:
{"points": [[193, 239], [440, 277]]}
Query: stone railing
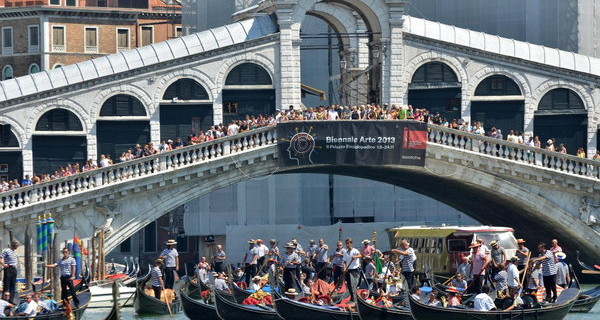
{"points": [[563, 163], [135, 169]]}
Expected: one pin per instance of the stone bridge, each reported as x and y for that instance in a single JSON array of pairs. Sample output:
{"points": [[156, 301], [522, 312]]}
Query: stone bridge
{"points": [[539, 193]]}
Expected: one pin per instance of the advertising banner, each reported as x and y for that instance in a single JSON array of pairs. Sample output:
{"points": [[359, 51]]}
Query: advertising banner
{"points": [[352, 142]]}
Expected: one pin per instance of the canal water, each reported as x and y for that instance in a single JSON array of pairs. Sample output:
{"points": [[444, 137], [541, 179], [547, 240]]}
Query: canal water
{"points": [[129, 313]]}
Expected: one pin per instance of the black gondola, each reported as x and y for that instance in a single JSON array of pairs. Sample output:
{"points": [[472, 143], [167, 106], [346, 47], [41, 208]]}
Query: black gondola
{"points": [[586, 300], [587, 269], [84, 299], [145, 304], [370, 312], [555, 311], [195, 289], [295, 310], [196, 309], [229, 310], [239, 294]]}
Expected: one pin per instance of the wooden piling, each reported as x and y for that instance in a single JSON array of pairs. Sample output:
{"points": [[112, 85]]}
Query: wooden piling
{"points": [[55, 274], [28, 258], [93, 258]]}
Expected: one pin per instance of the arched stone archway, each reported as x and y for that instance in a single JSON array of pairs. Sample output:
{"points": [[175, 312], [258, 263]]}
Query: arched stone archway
{"points": [[10, 151]]}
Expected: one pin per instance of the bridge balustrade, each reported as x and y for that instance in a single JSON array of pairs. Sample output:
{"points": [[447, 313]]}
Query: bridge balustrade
{"points": [[192, 155], [136, 169], [538, 157]]}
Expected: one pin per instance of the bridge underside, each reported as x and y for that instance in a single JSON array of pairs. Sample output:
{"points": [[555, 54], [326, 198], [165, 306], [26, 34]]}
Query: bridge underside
{"points": [[488, 206]]}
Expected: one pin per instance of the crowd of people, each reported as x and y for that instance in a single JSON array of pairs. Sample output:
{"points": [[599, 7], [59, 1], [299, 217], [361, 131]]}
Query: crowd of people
{"points": [[333, 112], [304, 270]]}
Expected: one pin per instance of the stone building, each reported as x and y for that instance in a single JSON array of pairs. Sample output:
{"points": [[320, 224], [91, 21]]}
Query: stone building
{"points": [[47, 34]]}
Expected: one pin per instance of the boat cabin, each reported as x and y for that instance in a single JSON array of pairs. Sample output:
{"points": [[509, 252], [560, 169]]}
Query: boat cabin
{"points": [[440, 249]]}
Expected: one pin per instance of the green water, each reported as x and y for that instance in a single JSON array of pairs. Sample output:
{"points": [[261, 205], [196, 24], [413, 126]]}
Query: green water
{"points": [[129, 313]]}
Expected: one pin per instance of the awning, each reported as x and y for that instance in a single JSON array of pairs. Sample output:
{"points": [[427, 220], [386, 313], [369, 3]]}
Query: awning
{"points": [[312, 91]]}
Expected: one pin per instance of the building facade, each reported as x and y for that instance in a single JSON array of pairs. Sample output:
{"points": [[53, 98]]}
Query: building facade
{"points": [[43, 35]]}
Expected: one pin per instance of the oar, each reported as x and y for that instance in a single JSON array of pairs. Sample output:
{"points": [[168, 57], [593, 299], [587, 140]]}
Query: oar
{"points": [[169, 300], [447, 279]]}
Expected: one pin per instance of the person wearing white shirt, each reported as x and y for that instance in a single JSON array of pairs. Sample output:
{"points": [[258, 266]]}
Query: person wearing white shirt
{"points": [[483, 302], [351, 265], [32, 306], [513, 275]]}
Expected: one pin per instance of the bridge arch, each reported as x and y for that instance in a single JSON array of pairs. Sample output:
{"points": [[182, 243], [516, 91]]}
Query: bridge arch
{"points": [[200, 77], [341, 20], [374, 14], [79, 111], [229, 64], [127, 89], [549, 85], [11, 149], [418, 61], [16, 129], [486, 72]]}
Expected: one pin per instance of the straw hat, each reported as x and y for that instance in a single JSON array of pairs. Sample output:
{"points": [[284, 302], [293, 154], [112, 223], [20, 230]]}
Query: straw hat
{"points": [[520, 241], [474, 245], [171, 242], [290, 245], [291, 291], [366, 241], [561, 255]]}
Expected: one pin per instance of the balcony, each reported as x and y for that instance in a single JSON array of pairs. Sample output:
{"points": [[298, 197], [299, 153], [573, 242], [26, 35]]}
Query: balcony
{"points": [[91, 49], [59, 48]]}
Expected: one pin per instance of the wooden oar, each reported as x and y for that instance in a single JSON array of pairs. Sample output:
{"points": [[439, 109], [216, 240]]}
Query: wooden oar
{"points": [[590, 271], [447, 279], [169, 300]]}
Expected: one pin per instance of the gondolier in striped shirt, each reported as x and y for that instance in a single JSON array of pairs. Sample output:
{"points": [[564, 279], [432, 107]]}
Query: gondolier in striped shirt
{"points": [[67, 267], [158, 285], [546, 258], [407, 259], [9, 262], [170, 256]]}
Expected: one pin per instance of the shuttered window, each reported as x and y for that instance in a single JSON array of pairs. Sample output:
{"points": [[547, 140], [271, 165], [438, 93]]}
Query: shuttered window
{"points": [[147, 36], [58, 36], [123, 38], [434, 72], [91, 37], [248, 74], [561, 99]]}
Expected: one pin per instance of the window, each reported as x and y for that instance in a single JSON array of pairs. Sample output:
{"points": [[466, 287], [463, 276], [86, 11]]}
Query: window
{"points": [[55, 2], [434, 72], [7, 40], [230, 107], [122, 39], [91, 40], [71, 3], [185, 89], [150, 237], [58, 39], [248, 74], [34, 68], [34, 39], [561, 99], [122, 105], [178, 32], [126, 245], [59, 120], [147, 36], [7, 72]]}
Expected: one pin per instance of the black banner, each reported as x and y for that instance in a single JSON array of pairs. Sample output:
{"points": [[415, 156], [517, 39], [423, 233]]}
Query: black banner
{"points": [[302, 143]]}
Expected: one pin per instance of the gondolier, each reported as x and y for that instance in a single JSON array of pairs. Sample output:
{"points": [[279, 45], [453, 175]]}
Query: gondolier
{"points": [[321, 257], [290, 261], [219, 259], [351, 265], [337, 260], [170, 256], [9, 262], [407, 259], [67, 267]]}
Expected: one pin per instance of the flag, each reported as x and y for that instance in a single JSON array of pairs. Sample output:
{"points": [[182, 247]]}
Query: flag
{"points": [[50, 230], [38, 228], [378, 264], [77, 256]]}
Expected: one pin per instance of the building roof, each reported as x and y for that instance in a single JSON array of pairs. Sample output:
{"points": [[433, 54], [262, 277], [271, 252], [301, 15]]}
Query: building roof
{"points": [[502, 46], [137, 58]]}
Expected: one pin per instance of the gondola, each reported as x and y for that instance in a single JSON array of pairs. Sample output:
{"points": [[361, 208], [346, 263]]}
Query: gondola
{"points": [[195, 289], [84, 299], [229, 310], [554, 311], [239, 294], [586, 300], [196, 309], [586, 268], [115, 310], [145, 304], [368, 311], [295, 310]]}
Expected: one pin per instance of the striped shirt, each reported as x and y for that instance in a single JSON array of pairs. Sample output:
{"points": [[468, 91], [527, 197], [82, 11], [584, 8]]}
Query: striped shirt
{"points": [[156, 274], [289, 260], [408, 261], [548, 264], [10, 257], [64, 265]]}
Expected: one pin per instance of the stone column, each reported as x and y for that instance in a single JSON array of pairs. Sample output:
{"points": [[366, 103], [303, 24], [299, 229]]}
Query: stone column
{"points": [[393, 90], [288, 87], [593, 123]]}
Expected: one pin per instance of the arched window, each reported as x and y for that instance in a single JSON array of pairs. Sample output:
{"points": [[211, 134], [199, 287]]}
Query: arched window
{"points": [[185, 89], [7, 72], [248, 74], [561, 99], [57, 66], [34, 68], [7, 137], [433, 72], [498, 85], [59, 120], [122, 105]]}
